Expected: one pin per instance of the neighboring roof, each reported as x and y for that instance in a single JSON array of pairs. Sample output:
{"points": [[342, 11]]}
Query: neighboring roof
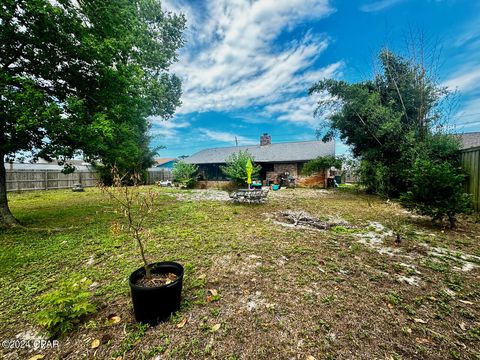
{"points": [[74, 162], [40, 166], [161, 161], [280, 152], [470, 140]]}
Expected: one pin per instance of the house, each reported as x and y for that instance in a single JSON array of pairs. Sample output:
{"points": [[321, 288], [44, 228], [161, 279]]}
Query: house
{"points": [[274, 158], [470, 140], [165, 163]]}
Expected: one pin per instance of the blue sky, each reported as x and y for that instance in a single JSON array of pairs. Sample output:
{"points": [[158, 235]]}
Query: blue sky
{"points": [[247, 65]]}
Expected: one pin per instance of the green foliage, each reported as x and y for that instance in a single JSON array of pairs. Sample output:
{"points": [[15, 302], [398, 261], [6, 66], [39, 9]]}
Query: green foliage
{"points": [[87, 77], [236, 167], [384, 120], [321, 163], [64, 307], [392, 124], [437, 180], [135, 333], [185, 174], [437, 190]]}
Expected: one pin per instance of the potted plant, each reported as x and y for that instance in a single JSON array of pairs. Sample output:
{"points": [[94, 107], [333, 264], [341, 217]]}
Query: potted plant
{"points": [[156, 288]]}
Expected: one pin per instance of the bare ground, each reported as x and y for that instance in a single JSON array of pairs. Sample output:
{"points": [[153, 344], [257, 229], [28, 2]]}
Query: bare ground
{"points": [[377, 283]]}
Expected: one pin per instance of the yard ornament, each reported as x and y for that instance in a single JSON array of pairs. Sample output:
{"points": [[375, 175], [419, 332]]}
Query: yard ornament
{"points": [[249, 168]]}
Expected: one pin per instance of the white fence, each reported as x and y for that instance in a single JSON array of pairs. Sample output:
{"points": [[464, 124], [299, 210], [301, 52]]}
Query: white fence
{"points": [[49, 179]]}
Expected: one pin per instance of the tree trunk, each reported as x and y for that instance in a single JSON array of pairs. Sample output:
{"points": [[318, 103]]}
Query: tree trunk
{"points": [[6, 217]]}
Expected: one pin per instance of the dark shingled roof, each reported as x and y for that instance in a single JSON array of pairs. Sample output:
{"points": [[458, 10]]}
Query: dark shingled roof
{"points": [[280, 152], [470, 140]]}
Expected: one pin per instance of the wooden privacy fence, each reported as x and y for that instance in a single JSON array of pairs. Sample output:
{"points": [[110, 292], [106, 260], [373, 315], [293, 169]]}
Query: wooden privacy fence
{"points": [[49, 179], [471, 163], [46, 179]]}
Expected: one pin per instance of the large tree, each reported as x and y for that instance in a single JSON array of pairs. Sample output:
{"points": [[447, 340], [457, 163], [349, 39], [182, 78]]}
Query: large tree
{"points": [[83, 78], [383, 119], [393, 123]]}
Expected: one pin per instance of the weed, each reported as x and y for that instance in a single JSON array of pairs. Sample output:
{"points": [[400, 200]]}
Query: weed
{"points": [[66, 306], [393, 298], [135, 333]]}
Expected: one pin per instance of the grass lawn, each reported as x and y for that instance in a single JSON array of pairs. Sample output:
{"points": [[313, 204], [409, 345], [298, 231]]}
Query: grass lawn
{"points": [[284, 292]]}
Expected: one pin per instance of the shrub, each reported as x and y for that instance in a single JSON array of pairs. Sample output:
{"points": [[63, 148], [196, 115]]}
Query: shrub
{"points": [[437, 190], [185, 174], [236, 167], [64, 307], [321, 163]]}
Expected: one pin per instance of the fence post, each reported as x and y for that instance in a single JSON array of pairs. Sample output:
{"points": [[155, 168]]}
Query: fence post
{"points": [[45, 174]]}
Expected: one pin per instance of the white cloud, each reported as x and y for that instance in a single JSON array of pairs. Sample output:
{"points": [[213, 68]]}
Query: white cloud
{"points": [[469, 114], [167, 129], [378, 5], [232, 60], [466, 79], [226, 137]]}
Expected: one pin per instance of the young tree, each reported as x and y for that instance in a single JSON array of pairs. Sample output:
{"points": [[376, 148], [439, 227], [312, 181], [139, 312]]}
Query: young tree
{"points": [[185, 174], [135, 204], [83, 78], [236, 167]]}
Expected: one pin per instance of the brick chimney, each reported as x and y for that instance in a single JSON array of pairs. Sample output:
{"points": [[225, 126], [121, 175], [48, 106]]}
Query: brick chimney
{"points": [[265, 139]]}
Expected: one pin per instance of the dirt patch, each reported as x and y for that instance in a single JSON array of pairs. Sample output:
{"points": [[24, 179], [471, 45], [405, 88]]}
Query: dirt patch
{"points": [[156, 280], [202, 195], [465, 262], [304, 220]]}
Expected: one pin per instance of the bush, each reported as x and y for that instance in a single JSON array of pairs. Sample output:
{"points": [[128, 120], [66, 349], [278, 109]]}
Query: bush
{"points": [[376, 177], [236, 167], [437, 190], [185, 174], [321, 163], [64, 307]]}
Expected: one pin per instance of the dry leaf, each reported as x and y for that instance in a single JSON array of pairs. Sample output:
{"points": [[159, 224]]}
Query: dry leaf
{"points": [[215, 327], [390, 306], [422, 341], [37, 357], [462, 326], [95, 344], [202, 276], [420, 321], [213, 292], [182, 323], [209, 298], [119, 358], [114, 319], [466, 302], [310, 357]]}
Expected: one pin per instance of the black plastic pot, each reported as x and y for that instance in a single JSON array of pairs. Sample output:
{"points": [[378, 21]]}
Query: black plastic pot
{"points": [[154, 304]]}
